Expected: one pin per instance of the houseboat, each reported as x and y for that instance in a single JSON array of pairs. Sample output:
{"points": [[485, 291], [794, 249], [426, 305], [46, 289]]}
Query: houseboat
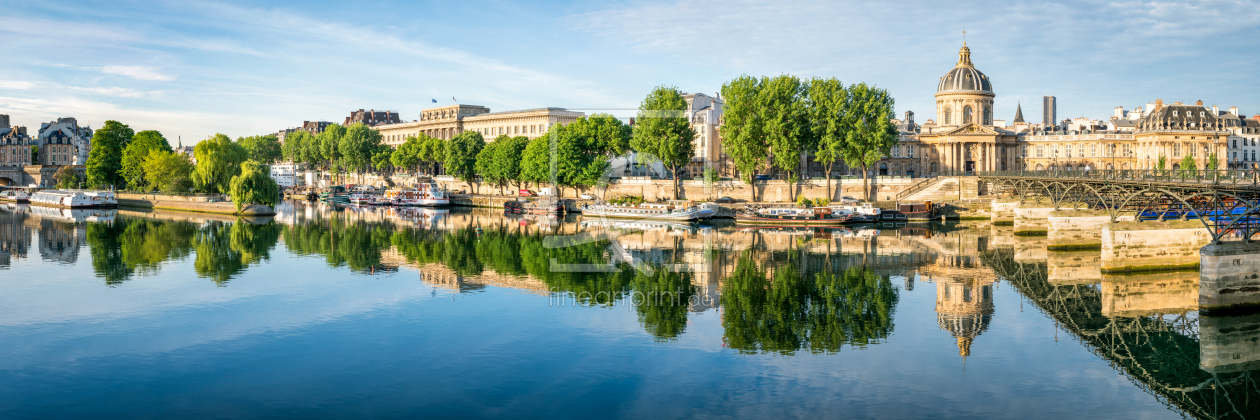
{"points": [[864, 212], [911, 212], [793, 216], [427, 195], [645, 211], [15, 196], [335, 194], [74, 199], [543, 205]]}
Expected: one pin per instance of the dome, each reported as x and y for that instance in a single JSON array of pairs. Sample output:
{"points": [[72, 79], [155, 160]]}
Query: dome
{"points": [[964, 77]]}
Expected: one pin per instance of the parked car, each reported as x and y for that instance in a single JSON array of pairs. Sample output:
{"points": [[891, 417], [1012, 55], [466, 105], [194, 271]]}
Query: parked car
{"points": [[761, 178], [725, 200], [587, 196], [848, 200], [527, 193]]}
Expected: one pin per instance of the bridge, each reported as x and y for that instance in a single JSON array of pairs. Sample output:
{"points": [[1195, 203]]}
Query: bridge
{"points": [[1227, 202]]}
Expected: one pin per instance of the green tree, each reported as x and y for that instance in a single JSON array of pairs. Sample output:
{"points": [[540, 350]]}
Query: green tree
{"points": [[1213, 163], [312, 156], [357, 146], [135, 154], [743, 135], [104, 163], [264, 149], [828, 102], [34, 155], [536, 165], [1188, 165], [168, 172], [329, 146], [409, 154], [663, 131], [1160, 165], [508, 159], [486, 161], [461, 156], [218, 160], [291, 149], [67, 177], [785, 115], [254, 186], [871, 134], [383, 158]]}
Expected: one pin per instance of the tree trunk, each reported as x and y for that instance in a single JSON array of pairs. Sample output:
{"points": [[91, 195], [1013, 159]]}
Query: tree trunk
{"points": [[866, 189], [830, 195], [674, 170]]}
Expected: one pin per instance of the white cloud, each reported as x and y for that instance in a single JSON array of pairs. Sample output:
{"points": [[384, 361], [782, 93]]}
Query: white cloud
{"points": [[110, 91], [138, 73], [16, 84]]}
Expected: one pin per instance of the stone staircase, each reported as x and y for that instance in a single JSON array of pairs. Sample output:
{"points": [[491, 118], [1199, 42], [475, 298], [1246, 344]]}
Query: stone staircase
{"points": [[946, 188]]}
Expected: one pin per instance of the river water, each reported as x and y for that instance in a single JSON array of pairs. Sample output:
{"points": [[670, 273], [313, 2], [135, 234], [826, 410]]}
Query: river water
{"points": [[334, 312]]}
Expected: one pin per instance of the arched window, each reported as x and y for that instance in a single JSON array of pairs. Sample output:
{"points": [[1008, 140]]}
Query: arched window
{"points": [[967, 114], [1039, 167], [949, 118], [988, 116]]}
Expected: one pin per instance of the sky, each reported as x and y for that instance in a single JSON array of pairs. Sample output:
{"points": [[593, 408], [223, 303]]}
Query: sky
{"points": [[191, 69]]}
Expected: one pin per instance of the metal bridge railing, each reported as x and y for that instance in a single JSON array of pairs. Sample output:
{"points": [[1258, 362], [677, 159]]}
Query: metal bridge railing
{"points": [[1222, 177]]}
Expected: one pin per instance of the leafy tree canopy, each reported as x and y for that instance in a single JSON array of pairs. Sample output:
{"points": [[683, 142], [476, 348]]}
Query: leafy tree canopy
{"points": [[218, 160], [104, 164], [134, 156]]}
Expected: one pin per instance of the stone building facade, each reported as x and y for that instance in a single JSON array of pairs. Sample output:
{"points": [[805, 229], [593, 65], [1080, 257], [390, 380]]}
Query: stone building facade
{"points": [[63, 142], [311, 127], [372, 118], [15, 144], [705, 113], [448, 121]]}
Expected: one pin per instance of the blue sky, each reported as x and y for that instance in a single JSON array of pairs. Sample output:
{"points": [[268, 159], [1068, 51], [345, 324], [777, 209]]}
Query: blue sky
{"points": [[193, 68]]}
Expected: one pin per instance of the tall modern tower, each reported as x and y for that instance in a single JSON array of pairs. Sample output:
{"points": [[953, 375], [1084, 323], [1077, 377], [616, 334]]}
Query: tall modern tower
{"points": [[1049, 111]]}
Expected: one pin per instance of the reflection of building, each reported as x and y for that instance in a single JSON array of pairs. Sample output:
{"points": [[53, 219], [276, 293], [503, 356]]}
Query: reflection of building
{"points": [[59, 241], [964, 308], [15, 237]]}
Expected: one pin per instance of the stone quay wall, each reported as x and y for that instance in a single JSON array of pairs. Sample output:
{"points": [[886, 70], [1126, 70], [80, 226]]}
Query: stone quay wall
{"points": [[1152, 246], [1079, 229], [1003, 213]]}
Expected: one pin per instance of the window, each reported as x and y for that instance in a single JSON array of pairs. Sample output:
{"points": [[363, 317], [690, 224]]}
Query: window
{"points": [[967, 114], [1023, 151], [988, 120], [910, 150], [1080, 150], [1040, 148], [1176, 149], [1091, 150], [1067, 151], [948, 117], [896, 151], [1191, 150]]}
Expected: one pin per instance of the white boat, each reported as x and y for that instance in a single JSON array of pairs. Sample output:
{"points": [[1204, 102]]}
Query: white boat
{"points": [[860, 213], [15, 196], [428, 195], [637, 225], [75, 215], [645, 211], [74, 199]]}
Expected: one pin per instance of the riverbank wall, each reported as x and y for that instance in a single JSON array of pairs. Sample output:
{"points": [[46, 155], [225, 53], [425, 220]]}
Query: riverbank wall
{"points": [[195, 203], [1229, 276], [1078, 230]]}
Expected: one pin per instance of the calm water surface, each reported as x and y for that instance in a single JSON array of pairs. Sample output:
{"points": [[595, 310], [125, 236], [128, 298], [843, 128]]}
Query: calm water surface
{"points": [[345, 312]]}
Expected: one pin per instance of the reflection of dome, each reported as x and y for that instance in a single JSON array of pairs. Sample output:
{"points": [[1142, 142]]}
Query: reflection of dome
{"points": [[964, 308], [964, 77]]}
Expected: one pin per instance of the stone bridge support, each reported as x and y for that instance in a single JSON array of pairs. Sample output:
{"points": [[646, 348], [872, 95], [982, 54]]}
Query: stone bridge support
{"points": [[1032, 218], [1078, 230], [1229, 343], [1229, 275], [1142, 294], [1003, 211], [1152, 246], [1079, 267]]}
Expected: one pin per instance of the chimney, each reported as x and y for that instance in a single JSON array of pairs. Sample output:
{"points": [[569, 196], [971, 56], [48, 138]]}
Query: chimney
{"points": [[1216, 110], [1233, 110], [1199, 102], [1159, 103], [1119, 112]]}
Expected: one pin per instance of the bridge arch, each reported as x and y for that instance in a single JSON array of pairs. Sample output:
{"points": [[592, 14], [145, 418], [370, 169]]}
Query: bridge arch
{"points": [[7, 181]]}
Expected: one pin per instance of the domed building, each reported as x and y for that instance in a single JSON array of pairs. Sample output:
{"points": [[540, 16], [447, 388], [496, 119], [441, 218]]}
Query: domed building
{"points": [[963, 138]]}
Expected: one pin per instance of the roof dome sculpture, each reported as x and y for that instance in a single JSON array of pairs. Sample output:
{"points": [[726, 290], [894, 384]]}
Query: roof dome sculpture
{"points": [[964, 77]]}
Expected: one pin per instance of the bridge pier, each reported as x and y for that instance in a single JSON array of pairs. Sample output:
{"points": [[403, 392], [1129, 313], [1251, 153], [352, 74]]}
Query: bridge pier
{"points": [[1152, 246], [1032, 218], [1229, 343], [1230, 276], [1073, 230], [1132, 295], [1076, 267], [1002, 211]]}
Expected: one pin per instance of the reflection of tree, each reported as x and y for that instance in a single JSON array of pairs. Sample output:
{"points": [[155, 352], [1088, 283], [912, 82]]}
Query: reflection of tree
{"points": [[341, 243], [105, 245], [145, 244], [661, 298], [225, 250], [789, 310]]}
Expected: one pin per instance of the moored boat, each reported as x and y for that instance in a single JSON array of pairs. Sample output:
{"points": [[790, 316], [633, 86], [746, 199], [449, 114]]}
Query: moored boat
{"points": [[645, 211], [428, 195], [15, 196], [864, 212], [790, 216], [74, 199], [543, 205], [911, 212]]}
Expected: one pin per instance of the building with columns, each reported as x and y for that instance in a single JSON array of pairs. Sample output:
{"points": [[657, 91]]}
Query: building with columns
{"points": [[448, 121], [964, 138]]}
